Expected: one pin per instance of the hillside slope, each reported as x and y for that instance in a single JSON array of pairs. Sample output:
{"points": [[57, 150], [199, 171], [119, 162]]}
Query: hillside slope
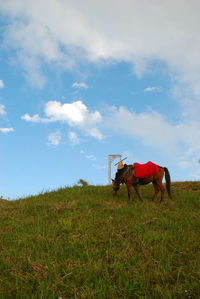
{"points": [[81, 242]]}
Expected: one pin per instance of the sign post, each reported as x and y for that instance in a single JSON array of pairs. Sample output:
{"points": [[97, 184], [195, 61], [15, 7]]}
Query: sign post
{"points": [[110, 159]]}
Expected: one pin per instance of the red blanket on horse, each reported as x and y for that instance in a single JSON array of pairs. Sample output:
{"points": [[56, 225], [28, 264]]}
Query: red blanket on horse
{"points": [[145, 170]]}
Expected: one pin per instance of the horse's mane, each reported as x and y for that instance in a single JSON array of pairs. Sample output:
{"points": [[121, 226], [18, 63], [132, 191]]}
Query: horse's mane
{"points": [[120, 172]]}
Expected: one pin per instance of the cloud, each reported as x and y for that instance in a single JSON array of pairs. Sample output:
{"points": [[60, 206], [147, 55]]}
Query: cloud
{"points": [[73, 138], [69, 33], [176, 143], [91, 157], [94, 132], [153, 88], [35, 118], [79, 85], [141, 33], [75, 114], [6, 130], [54, 138], [1, 84], [153, 130], [2, 110]]}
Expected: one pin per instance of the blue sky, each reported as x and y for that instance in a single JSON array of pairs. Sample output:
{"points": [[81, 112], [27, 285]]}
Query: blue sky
{"points": [[82, 80]]}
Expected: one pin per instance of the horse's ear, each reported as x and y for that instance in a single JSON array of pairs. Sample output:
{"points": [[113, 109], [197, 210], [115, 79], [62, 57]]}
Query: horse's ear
{"points": [[112, 180]]}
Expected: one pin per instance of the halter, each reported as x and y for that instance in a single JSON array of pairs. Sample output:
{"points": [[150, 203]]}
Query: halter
{"points": [[123, 175]]}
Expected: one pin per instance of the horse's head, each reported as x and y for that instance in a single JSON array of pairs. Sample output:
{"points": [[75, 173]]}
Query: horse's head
{"points": [[116, 186], [119, 179]]}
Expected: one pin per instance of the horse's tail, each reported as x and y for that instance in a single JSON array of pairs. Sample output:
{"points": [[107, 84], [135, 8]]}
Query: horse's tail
{"points": [[168, 182]]}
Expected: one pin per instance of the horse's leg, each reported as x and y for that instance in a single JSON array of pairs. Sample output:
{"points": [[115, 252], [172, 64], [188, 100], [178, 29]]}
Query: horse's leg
{"points": [[162, 190], [129, 188], [136, 187], [156, 190]]}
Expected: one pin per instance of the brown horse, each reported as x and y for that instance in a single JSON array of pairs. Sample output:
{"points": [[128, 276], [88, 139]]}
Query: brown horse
{"points": [[127, 175]]}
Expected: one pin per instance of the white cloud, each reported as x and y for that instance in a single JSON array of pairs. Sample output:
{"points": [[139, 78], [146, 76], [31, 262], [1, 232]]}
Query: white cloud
{"points": [[35, 118], [91, 157], [79, 85], [73, 138], [178, 144], [153, 88], [87, 156], [2, 110], [54, 138], [6, 130], [141, 32], [72, 113], [75, 114], [1, 84], [153, 130], [94, 132]]}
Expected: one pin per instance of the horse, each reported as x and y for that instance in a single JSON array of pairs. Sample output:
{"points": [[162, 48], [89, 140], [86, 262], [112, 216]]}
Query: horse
{"points": [[127, 175]]}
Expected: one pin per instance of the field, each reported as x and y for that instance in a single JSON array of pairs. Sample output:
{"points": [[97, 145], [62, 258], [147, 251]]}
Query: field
{"points": [[80, 242]]}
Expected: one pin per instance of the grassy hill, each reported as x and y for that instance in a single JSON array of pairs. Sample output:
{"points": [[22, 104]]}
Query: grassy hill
{"points": [[80, 242]]}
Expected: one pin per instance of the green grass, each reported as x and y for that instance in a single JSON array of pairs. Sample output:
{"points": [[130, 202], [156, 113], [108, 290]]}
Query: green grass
{"points": [[81, 242]]}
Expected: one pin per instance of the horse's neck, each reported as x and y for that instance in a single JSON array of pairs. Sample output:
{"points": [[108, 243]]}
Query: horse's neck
{"points": [[128, 170]]}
